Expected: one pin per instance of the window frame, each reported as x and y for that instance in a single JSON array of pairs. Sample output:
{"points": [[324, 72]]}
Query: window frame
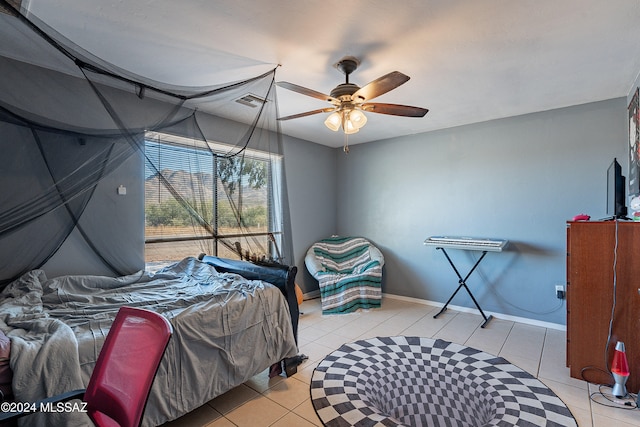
{"points": [[274, 203]]}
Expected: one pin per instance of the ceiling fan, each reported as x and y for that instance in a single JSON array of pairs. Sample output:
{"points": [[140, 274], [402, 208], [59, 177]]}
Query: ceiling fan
{"points": [[350, 101]]}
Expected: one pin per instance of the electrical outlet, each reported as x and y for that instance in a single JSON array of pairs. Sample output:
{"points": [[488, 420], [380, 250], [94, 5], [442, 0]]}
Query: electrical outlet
{"points": [[559, 291]]}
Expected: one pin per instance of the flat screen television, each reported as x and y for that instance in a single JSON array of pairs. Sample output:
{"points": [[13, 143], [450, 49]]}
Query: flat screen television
{"points": [[616, 205]]}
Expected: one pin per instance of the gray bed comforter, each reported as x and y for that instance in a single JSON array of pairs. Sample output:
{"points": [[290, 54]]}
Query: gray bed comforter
{"points": [[226, 330]]}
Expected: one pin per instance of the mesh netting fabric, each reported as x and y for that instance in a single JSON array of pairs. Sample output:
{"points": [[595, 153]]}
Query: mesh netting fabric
{"points": [[68, 120]]}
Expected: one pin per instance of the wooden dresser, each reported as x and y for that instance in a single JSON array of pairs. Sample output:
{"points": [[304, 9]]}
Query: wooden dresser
{"points": [[591, 254]]}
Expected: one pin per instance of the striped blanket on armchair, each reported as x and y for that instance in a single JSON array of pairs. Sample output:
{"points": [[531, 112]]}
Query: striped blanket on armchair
{"points": [[349, 272]]}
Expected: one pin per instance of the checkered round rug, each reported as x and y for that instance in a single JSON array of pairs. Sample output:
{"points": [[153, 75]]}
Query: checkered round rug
{"points": [[423, 382]]}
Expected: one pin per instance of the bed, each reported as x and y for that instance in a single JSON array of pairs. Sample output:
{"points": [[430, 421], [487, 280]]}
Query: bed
{"points": [[227, 328]]}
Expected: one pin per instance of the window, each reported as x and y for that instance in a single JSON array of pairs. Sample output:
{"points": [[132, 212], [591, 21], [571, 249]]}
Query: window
{"points": [[199, 200]]}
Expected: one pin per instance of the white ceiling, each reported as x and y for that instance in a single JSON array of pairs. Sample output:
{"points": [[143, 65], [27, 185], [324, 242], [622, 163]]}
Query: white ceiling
{"points": [[469, 60]]}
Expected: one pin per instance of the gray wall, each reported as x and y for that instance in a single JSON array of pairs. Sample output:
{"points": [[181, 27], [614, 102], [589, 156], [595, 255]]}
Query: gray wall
{"points": [[312, 189], [519, 178], [122, 216]]}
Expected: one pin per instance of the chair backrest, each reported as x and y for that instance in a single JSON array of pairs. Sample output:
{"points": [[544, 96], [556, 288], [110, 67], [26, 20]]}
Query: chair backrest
{"points": [[341, 254], [121, 380]]}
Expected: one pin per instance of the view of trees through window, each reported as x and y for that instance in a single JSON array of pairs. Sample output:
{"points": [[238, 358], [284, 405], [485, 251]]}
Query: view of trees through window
{"points": [[198, 202]]}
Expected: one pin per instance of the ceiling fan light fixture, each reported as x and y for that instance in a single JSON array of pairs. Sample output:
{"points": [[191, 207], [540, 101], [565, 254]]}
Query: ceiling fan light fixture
{"points": [[349, 128], [357, 117], [334, 121], [349, 120], [352, 121]]}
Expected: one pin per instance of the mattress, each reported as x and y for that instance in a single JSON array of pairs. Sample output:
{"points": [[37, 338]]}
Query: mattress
{"points": [[226, 330]]}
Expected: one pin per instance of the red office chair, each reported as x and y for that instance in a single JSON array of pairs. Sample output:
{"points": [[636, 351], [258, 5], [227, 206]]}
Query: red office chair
{"points": [[121, 380]]}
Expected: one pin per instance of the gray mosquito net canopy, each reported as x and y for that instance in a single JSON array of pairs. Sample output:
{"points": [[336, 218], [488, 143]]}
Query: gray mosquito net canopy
{"points": [[69, 121]]}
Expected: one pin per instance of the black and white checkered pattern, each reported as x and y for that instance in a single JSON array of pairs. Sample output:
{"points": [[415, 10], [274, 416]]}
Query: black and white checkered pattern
{"points": [[423, 382]]}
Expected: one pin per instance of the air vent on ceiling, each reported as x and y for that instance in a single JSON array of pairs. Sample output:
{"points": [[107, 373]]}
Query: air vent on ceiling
{"points": [[15, 3], [251, 100]]}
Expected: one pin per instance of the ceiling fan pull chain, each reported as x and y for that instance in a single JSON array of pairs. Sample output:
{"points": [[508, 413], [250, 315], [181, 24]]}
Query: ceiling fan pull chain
{"points": [[346, 144]]}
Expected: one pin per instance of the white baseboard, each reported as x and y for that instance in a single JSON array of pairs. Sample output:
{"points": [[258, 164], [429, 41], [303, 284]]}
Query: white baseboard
{"points": [[518, 319], [525, 320]]}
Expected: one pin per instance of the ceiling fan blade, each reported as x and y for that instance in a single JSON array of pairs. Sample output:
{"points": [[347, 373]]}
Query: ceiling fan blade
{"points": [[308, 113], [309, 92], [394, 109], [380, 86]]}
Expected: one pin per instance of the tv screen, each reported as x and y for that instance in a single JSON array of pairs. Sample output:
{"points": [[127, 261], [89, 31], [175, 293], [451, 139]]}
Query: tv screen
{"points": [[616, 206]]}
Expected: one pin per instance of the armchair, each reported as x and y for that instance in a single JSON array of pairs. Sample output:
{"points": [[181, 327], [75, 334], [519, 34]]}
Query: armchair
{"points": [[349, 273]]}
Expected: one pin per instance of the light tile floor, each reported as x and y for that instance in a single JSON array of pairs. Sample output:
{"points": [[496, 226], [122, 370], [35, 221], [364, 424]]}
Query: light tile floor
{"points": [[281, 402]]}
